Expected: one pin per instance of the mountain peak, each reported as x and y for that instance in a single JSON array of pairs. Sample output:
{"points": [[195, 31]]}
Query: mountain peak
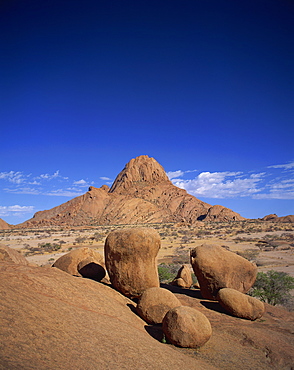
{"points": [[142, 170]]}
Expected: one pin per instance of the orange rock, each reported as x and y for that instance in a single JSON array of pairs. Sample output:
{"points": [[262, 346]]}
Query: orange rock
{"points": [[82, 262], [183, 278], [216, 268], [141, 193], [10, 255], [130, 257], [186, 327], [239, 304], [154, 303]]}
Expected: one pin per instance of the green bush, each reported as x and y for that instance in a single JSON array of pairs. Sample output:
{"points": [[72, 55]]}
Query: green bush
{"points": [[273, 287], [167, 273]]}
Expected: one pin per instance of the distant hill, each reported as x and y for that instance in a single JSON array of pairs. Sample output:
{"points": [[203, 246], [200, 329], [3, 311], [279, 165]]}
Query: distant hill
{"points": [[4, 225], [141, 193], [274, 218]]}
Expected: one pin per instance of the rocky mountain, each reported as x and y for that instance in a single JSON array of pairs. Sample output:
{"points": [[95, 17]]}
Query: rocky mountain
{"points": [[141, 193], [4, 225], [274, 218]]}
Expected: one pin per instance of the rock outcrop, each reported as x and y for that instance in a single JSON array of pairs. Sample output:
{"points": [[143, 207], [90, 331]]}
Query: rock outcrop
{"points": [[82, 262], [10, 255], [274, 218], [216, 268], [154, 303], [141, 193], [52, 320], [130, 258], [239, 304], [183, 278], [4, 225], [186, 327]]}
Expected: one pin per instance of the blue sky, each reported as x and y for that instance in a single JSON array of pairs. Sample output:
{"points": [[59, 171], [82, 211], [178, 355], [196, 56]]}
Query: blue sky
{"points": [[204, 87]]}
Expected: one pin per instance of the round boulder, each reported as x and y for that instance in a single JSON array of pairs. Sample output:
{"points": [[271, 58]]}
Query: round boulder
{"points": [[130, 258], [183, 278], [240, 305], [82, 262], [217, 268], [186, 327], [154, 303]]}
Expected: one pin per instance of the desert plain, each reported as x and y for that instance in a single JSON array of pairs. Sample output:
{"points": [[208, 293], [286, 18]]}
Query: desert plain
{"points": [[269, 244]]}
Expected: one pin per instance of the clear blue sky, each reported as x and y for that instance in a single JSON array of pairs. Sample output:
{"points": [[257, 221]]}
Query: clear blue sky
{"points": [[203, 86]]}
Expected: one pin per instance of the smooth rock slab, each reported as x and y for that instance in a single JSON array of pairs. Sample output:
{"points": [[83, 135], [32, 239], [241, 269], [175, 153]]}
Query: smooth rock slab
{"points": [[217, 268], [10, 255], [130, 258], [240, 305], [154, 303], [186, 327]]}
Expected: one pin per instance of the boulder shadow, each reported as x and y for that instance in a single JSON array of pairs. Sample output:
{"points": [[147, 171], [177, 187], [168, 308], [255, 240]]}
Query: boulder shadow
{"points": [[194, 293], [155, 331], [214, 306], [92, 271]]}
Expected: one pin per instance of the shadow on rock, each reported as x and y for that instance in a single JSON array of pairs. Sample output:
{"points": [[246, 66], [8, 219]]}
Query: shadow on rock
{"points": [[155, 331], [194, 293], [93, 271], [214, 306]]}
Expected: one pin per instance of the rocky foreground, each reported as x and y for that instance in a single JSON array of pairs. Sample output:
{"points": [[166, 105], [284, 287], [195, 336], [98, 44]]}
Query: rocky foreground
{"points": [[51, 319]]}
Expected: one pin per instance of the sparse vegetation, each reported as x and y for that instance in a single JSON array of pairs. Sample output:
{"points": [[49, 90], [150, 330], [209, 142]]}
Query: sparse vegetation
{"points": [[273, 287]]}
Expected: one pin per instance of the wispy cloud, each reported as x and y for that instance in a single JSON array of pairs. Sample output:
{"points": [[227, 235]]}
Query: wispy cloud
{"points": [[64, 193], [47, 176], [104, 178], [15, 210], [287, 166], [13, 177], [23, 190]]}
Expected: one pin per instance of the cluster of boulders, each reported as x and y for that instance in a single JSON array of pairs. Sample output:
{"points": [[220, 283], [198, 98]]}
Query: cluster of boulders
{"points": [[130, 261]]}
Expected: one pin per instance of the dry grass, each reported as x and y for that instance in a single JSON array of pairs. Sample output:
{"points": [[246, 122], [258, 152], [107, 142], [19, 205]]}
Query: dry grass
{"points": [[269, 244]]}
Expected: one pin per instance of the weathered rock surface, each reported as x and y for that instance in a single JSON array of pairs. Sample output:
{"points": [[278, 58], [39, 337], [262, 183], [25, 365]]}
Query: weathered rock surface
{"points": [[130, 258], [82, 262], [4, 225], [154, 303], [10, 255], [273, 217], [46, 313], [265, 343], [216, 268], [183, 278], [186, 327], [141, 193], [52, 320], [239, 304]]}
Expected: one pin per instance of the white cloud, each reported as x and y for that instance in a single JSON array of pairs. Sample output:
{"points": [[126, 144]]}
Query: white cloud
{"points": [[80, 182], [286, 166], [16, 209], [47, 176], [283, 189], [23, 191], [104, 178], [221, 184], [12, 176], [64, 193], [175, 174]]}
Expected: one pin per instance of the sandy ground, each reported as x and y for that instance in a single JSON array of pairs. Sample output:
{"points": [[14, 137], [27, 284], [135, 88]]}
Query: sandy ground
{"points": [[171, 244]]}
